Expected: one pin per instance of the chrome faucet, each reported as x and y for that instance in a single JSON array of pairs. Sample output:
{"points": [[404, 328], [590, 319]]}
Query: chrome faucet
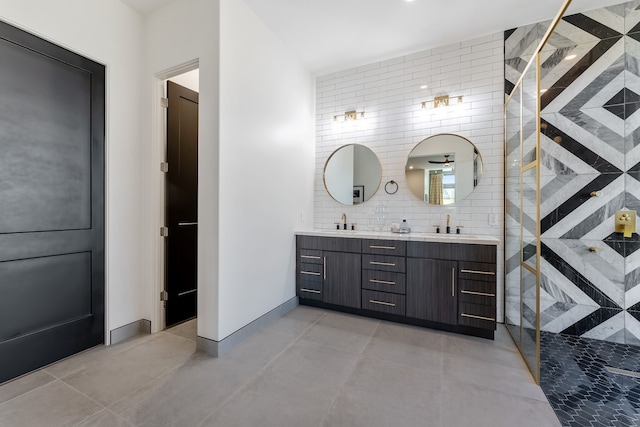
{"points": [[448, 228], [344, 220]]}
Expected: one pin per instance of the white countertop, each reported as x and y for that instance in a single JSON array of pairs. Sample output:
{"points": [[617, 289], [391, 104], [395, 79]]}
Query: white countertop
{"points": [[476, 239]]}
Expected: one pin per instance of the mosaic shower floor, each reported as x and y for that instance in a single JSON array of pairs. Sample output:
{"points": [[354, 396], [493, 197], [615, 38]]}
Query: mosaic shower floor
{"points": [[577, 380]]}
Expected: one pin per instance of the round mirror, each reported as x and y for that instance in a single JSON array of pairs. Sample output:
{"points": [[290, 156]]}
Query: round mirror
{"points": [[352, 174], [443, 169]]}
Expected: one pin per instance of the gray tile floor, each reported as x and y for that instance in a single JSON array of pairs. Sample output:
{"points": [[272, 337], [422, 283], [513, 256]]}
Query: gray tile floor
{"points": [[309, 368]]}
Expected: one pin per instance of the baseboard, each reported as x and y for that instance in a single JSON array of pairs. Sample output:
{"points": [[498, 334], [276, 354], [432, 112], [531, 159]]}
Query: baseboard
{"points": [[139, 327], [218, 348]]}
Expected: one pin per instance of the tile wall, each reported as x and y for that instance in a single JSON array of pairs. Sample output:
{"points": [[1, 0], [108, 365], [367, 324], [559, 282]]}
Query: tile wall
{"points": [[390, 94], [590, 132]]}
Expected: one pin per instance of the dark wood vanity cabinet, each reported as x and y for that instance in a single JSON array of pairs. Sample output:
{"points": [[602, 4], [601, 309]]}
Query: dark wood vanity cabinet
{"points": [[431, 290], [452, 283], [477, 294], [342, 280], [449, 286], [383, 276], [329, 270]]}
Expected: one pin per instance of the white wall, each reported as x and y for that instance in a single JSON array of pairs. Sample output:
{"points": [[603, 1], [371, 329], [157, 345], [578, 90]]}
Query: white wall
{"points": [[181, 32], [190, 80], [110, 33], [266, 133], [389, 93]]}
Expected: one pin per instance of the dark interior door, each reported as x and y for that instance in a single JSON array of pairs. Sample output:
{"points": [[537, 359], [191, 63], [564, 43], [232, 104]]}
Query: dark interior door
{"points": [[182, 204], [51, 202]]}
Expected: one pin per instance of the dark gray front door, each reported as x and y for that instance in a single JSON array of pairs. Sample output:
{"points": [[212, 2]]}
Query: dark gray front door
{"points": [[51, 202], [182, 204]]}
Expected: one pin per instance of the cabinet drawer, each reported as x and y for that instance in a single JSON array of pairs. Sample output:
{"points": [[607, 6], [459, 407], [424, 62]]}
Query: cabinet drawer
{"points": [[335, 244], [384, 247], [477, 292], [384, 281], [452, 251], [383, 263], [310, 272], [310, 256], [485, 272], [310, 290], [383, 302], [476, 315]]}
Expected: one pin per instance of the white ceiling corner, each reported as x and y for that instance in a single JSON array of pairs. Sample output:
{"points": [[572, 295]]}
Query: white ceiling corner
{"points": [[333, 35]]}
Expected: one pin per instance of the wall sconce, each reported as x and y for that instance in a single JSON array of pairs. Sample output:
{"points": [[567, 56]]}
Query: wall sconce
{"points": [[443, 101], [349, 115]]}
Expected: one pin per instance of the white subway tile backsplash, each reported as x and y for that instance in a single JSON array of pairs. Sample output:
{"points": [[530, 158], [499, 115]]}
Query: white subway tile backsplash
{"points": [[389, 93]]}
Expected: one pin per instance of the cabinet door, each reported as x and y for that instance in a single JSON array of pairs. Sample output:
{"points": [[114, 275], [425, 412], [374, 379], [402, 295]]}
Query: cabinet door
{"points": [[431, 290], [342, 279]]}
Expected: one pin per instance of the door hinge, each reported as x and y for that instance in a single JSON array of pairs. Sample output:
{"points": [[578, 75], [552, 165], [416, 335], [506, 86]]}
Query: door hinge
{"points": [[164, 296], [164, 231], [164, 102], [164, 167]]}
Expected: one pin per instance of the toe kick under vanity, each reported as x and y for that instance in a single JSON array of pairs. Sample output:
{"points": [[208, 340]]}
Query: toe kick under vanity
{"points": [[445, 282]]}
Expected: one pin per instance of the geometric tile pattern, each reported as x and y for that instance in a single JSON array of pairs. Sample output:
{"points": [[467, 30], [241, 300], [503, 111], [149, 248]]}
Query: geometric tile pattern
{"points": [[581, 390], [590, 142]]}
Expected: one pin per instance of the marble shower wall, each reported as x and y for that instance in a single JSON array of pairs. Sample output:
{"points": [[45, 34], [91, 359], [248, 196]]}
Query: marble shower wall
{"points": [[590, 137]]}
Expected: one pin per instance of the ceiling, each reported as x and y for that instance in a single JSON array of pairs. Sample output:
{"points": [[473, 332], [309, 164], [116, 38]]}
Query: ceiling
{"points": [[333, 35]]}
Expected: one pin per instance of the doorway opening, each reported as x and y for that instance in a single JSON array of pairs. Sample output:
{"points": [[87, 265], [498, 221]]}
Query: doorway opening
{"points": [[176, 150], [181, 202]]}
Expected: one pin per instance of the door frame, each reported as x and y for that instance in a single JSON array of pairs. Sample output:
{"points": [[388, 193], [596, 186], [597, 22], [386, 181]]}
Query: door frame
{"points": [[158, 180]]}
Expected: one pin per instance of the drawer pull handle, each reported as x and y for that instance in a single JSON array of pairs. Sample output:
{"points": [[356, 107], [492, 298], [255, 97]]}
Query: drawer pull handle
{"points": [[384, 282], [486, 273], [309, 257], [484, 294], [382, 247], [389, 264], [310, 273], [473, 316], [313, 291], [372, 301]]}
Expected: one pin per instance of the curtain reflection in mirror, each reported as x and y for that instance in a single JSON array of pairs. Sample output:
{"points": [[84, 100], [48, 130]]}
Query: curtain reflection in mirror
{"points": [[436, 196]]}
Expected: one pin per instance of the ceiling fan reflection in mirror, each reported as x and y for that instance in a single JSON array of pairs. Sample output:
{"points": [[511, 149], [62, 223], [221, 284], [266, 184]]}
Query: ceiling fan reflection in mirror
{"points": [[446, 160]]}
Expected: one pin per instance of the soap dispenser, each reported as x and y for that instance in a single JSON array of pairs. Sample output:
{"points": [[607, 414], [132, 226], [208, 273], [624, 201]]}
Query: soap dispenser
{"points": [[404, 227]]}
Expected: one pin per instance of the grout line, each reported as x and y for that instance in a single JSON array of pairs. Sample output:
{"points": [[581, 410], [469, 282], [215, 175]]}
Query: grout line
{"points": [[100, 349], [32, 390], [261, 370], [170, 371], [351, 372], [84, 394], [104, 409]]}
